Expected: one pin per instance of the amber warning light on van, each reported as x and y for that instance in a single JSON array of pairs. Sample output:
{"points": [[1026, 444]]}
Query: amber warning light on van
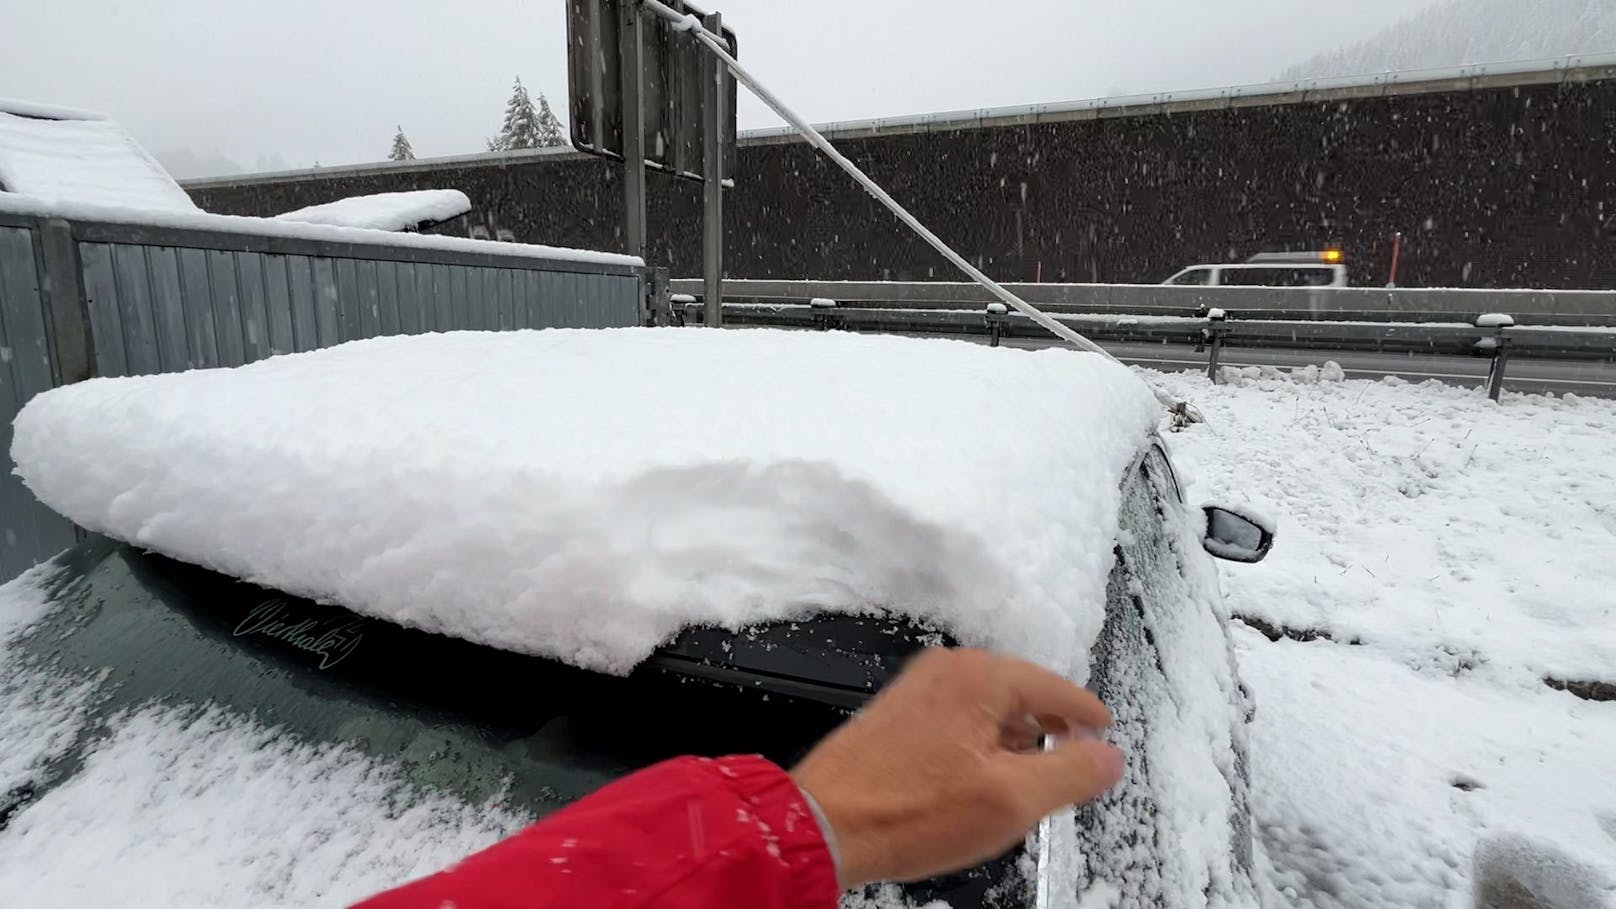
{"points": [[1316, 257]]}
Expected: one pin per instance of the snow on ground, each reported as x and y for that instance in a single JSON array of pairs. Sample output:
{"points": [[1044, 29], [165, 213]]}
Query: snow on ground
{"points": [[62, 156], [1455, 552], [1375, 784], [1432, 525], [550, 492], [386, 211]]}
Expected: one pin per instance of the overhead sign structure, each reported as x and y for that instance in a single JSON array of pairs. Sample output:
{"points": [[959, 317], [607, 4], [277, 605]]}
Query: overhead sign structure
{"points": [[631, 63], [671, 91]]}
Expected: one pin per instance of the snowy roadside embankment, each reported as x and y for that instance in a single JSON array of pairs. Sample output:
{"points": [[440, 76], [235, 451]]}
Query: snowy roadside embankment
{"points": [[1445, 555], [1428, 523]]}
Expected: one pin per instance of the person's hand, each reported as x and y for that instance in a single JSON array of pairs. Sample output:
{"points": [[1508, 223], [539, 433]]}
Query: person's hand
{"points": [[937, 773]]}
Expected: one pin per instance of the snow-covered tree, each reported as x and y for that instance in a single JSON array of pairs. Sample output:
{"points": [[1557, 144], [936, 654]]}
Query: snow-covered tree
{"points": [[527, 126], [550, 131], [401, 147]]}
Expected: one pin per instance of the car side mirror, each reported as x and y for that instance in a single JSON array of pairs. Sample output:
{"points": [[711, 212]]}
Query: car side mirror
{"points": [[1235, 536]]}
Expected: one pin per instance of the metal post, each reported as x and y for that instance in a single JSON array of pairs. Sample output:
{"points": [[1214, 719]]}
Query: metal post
{"points": [[72, 345], [684, 309], [659, 306], [714, 100], [998, 314], [1495, 378], [631, 51], [1499, 323], [1216, 328], [824, 311]]}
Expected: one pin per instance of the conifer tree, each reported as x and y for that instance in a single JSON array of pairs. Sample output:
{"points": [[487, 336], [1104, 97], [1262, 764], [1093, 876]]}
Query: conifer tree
{"points": [[550, 131], [521, 129], [401, 147]]}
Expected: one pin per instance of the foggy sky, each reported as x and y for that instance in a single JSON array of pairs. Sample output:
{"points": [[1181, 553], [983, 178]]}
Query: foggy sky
{"points": [[269, 85]]}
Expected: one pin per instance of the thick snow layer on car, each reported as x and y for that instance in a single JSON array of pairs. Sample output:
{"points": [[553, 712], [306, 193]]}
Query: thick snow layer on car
{"points": [[586, 494], [194, 807], [1443, 559], [59, 156], [386, 211]]}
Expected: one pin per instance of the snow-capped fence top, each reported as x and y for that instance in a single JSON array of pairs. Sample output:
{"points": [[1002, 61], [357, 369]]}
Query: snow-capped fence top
{"points": [[273, 229], [386, 211], [547, 492]]}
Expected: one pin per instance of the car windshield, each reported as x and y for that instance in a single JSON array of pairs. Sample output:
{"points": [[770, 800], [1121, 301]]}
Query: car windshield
{"points": [[551, 732], [478, 723]]}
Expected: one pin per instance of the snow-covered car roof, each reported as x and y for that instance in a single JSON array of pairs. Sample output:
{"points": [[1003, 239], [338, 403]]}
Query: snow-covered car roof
{"points": [[386, 211], [584, 495], [59, 155]]}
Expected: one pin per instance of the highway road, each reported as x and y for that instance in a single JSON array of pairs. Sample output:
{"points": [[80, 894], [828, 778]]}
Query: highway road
{"points": [[1521, 374], [1583, 377]]}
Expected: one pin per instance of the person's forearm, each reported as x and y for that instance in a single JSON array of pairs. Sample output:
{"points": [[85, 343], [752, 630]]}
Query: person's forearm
{"points": [[925, 780], [692, 832]]}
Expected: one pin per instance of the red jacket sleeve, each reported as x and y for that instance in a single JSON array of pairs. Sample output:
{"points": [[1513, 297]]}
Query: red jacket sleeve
{"points": [[691, 832]]}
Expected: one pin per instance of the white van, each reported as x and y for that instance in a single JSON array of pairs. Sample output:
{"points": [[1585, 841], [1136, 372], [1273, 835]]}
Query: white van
{"points": [[1308, 269]]}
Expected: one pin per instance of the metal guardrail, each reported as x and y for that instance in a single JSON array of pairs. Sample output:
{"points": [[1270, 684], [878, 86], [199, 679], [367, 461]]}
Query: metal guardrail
{"points": [[1592, 308], [1249, 317]]}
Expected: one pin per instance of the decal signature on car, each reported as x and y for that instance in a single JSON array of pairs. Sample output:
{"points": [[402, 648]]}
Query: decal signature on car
{"points": [[332, 641]]}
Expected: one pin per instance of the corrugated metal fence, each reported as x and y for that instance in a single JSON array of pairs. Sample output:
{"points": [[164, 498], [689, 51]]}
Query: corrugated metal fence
{"points": [[82, 299], [28, 530]]}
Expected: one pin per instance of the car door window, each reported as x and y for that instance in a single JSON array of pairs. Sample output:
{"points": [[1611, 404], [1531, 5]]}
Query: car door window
{"points": [[1117, 672], [1164, 585], [1277, 277], [1126, 673], [1194, 277]]}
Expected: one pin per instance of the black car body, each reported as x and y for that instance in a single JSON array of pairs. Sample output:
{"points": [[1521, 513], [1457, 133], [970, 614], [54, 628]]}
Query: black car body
{"points": [[480, 723]]}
